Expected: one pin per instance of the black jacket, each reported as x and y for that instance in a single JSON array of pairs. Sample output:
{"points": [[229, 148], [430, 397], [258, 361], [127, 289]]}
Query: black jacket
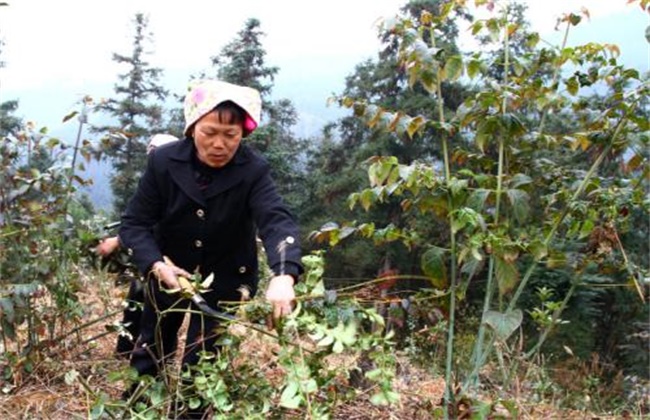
{"points": [[211, 230]]}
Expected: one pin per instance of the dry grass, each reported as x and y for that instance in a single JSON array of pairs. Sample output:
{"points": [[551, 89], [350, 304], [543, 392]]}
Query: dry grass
{"points": [[44, 394]]}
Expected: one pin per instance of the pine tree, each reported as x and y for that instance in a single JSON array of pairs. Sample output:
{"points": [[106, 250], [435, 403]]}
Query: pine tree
{"points": [[137, 113], [9, 123], [242, 62]]}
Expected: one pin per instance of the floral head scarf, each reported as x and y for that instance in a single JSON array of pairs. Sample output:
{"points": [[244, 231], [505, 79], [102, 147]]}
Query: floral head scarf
{"points": [[160, 139], [205, 95]]}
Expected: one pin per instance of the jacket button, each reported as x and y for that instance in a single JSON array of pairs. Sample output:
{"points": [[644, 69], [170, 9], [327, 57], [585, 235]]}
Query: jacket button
{"points": [[200, 213], [198, 243], [129, 252], [242, 269]]}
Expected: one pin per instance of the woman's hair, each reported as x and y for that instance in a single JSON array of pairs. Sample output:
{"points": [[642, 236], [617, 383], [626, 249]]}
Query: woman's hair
{"points": [[229, 112]]}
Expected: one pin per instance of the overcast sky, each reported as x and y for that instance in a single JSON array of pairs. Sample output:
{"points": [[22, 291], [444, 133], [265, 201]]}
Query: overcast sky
{"points": [[57, 51]]}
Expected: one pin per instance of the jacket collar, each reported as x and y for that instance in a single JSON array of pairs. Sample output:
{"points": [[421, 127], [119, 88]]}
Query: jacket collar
{"points": [[182, 172]]}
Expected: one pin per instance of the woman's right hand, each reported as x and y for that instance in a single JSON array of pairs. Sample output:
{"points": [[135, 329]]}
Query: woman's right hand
{"points": [[107, 246], [168, 274]]}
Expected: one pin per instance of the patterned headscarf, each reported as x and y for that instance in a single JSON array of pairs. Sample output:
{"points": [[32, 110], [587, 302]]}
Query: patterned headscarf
{"points": [[160, 139], [205, 95]]}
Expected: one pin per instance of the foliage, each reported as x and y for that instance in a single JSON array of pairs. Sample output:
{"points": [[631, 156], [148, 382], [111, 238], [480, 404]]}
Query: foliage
{"points": [[39, 244], [374, 84], [306, 382], [9, 123], [508, 185], [488, 202], [137, 117]]}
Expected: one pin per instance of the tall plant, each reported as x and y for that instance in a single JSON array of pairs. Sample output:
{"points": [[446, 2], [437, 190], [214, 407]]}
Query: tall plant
{"points": [[488, 204], [40, 244]]}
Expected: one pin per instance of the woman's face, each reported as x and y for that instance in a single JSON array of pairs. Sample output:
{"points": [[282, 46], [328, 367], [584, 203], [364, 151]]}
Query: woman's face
{"points": [[215, 141]]}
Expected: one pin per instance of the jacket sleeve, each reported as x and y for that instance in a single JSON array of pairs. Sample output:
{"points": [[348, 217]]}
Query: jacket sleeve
{"points": [[141, 215], [276, 225]]}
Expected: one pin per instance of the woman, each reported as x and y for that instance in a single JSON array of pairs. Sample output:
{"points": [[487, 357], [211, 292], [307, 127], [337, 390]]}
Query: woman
{"points": [[208, 196]]}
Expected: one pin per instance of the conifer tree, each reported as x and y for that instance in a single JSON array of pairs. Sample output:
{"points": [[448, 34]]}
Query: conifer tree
{"points": [[136, 111], [242, 62], [9, 123]]}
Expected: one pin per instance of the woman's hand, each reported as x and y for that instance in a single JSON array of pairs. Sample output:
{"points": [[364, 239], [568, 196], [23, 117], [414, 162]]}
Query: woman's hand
{"points": [[107, 246], [168, 274], [281, 295]]}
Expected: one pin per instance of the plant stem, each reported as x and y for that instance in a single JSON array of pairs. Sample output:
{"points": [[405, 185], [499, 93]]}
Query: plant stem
{"points": [[88, 389], [556, 74], [448, 398], [551, 234], [531, 268], [75, 153], [85, 325], [489, 290]]}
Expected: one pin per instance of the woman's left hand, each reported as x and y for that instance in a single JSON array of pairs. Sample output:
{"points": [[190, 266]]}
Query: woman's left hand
{"points": [[281, 295]]}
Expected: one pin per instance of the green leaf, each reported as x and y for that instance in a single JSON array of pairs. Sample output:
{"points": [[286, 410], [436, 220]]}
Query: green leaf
{"points": [[503, 324], [538, 249], [572, 86], [414, 125], [70, 115], [384, 398], [344, 335], [428, 81], [453, 68], [97, 410], [493, 28], [520, 179], [382, 172], [519, 200], [574, 19], [478, 198], [473, 68], [517, 68], [476, 27], [157, 396], [512, 125], [507, 275], [434, 266], [367, 197], [290, 397], [586, 228]]}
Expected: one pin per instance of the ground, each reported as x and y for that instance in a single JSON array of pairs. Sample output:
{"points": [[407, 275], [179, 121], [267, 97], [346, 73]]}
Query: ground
{"points": [[50, 392]]}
